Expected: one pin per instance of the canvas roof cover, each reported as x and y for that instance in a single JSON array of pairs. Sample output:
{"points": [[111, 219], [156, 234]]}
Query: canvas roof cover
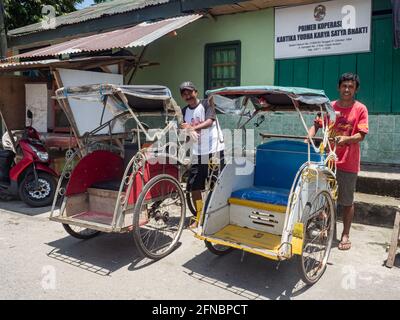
{"points": [[142, 100], [278, 98]]}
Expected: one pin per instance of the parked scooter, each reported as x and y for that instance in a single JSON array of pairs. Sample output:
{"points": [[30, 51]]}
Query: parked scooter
{"points": [[30, 178]]}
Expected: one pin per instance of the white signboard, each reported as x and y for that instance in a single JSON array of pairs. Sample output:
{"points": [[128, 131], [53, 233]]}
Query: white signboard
{"points": [[326, 28]]}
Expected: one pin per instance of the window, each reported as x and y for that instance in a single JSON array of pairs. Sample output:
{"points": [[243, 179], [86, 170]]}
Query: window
{"points": [[222, 65]]}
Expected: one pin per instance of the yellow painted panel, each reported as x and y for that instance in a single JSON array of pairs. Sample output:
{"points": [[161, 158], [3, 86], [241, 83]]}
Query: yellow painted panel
{"points": [[298, 230], [258, 205], [297, 246], [264, 253], [249, 237]]}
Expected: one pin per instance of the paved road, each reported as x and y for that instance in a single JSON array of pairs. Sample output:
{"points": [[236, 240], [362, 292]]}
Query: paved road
{"points": [[40, 261]]}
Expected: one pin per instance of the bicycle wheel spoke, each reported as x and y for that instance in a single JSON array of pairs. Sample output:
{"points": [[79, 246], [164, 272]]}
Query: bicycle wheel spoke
{"points": [[318, 237], [162, 198]]}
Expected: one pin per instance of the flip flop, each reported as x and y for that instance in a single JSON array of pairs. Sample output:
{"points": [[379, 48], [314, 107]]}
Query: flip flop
{"points": [[344, 245]]}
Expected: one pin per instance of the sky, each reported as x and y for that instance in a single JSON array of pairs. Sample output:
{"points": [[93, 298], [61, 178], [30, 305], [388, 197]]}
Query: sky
{"points": [[84, 4]]}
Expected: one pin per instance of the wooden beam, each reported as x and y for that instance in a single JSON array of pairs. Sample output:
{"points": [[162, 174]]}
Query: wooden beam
{"points": [[137, 64], [3, 34], [395, 241]]}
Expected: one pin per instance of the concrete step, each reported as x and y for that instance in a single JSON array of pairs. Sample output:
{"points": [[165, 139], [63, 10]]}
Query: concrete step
{"points": [[374, 210], [383, 180]]}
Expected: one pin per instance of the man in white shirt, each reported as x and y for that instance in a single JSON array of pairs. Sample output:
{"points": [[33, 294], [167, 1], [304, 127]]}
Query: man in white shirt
{"points": [[200, 117]]}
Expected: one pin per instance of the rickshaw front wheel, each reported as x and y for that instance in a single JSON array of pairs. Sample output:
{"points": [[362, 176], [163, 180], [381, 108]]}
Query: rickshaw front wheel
{"points": [[319, 226], [80, 233], [159, 217], [217, 249]]}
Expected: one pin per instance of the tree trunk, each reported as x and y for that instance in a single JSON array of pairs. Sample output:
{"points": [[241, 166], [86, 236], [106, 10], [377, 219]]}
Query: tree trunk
{"points": [[3, 33]]}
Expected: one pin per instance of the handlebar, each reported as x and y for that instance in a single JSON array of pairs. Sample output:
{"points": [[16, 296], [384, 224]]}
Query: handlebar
{"points": [[271, 135]]}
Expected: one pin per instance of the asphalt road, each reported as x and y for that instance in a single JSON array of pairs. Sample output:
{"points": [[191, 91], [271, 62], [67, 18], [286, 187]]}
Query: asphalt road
{"points": [[39, 260]]}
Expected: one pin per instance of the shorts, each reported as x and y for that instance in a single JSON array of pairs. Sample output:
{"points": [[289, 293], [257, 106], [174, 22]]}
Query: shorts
{"points": [[199, 172], [346, 187]]}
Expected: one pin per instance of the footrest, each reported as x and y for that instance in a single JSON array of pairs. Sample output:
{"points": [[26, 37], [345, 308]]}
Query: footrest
{"points": [[251, 240]]}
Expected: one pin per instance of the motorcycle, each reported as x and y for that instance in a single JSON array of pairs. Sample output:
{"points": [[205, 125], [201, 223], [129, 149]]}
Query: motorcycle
{"points": [[30, 178]]}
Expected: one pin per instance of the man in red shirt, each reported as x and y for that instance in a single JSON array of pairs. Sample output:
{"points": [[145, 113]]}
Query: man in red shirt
{"points": [[349, 129]]}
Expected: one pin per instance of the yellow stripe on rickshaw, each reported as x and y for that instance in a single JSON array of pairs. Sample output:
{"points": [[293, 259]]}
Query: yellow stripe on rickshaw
{"points": [[258, 205]]}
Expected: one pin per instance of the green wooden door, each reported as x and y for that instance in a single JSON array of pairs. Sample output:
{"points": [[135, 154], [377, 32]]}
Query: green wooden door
{"points": [[222, 65], [379, 70]]}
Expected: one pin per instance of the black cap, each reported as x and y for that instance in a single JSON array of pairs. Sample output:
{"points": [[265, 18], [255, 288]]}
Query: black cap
{"points": [[187, 85]]}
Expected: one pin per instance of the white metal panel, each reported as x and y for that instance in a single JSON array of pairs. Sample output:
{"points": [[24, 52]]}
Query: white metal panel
{"points": [[77, 78], [239, 174], [268, 221], [216, 221], [87, 114]]}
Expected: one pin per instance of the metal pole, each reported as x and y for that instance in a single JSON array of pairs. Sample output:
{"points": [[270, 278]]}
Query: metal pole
{"points": [[3, 32]]}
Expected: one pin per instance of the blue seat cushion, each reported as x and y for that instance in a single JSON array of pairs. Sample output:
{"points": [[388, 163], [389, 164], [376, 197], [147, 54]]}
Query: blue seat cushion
{"points": [[277, 196], [277, 163]]}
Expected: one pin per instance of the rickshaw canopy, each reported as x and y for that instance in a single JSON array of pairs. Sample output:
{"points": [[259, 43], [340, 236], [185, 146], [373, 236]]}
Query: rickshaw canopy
{"points": [[140, 98], [271, 98], [109, 102]]}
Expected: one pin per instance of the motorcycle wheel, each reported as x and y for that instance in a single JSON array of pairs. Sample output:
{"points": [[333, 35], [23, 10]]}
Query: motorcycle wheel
{"points": [[37, 196]]}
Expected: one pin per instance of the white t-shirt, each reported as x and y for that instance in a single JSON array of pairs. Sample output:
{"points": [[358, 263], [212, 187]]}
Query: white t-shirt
{"points": [[210, 139]]}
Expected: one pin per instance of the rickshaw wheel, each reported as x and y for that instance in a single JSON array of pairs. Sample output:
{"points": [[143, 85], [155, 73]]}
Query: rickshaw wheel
{"points": [[80, 233], [217, 249], [190, 204], [159, 217], [318, 237]]}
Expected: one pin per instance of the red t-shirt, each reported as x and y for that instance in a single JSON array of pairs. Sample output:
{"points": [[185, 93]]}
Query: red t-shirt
{"points": [[349, 121]]}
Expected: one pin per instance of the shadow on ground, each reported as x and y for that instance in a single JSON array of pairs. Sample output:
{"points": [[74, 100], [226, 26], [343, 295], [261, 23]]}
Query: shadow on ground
{"points": [[253, 278], [101, 255], [18, 206]]}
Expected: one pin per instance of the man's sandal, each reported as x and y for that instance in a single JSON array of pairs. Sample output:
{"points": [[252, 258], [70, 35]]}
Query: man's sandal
{"points": [[344, 245]]}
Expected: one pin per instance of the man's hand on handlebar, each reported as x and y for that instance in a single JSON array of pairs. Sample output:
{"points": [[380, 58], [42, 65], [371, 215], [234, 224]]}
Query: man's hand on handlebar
{"points": [[307, 139], [185, 125], [342, 140]]}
